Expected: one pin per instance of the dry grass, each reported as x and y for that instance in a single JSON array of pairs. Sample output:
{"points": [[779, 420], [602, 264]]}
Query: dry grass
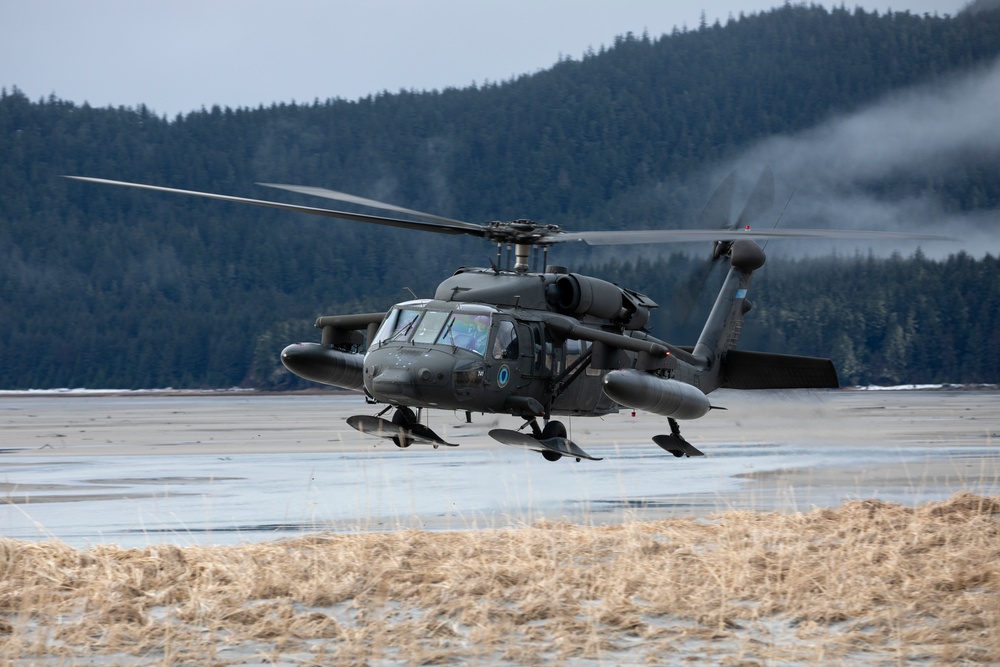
{"points": [[869, 582]]}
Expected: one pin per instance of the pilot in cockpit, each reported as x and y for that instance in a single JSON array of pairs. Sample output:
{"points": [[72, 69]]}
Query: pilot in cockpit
{"points": [[472, 332]]}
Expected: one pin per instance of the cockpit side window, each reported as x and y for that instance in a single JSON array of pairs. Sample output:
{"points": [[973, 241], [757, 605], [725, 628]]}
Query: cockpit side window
{"points": [[505, 342]]}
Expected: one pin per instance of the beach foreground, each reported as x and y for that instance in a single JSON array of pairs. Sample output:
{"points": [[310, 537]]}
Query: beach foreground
{"points": [[865, 583]]}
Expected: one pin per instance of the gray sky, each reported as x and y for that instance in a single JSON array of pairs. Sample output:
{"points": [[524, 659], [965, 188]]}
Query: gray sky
{"points": [[179, 55]]}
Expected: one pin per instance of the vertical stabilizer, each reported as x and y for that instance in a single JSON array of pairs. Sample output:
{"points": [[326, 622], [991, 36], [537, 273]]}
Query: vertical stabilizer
{"points": [[725, 322]]}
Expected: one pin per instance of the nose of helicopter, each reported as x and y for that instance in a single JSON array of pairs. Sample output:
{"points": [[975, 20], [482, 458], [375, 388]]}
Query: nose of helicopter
{"points": [[429, 376], [392, 383]]}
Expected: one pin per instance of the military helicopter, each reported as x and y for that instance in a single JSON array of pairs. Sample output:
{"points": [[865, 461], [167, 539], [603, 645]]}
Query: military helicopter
{"points": [[543, 344]]}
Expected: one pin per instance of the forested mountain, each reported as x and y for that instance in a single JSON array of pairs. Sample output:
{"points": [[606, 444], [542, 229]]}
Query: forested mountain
{"points": [[104, 287]]}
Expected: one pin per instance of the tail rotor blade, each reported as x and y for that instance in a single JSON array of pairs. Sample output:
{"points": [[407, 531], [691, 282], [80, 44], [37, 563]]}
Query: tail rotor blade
{"points": [[761, 200], [689, 293], [719, 208]]}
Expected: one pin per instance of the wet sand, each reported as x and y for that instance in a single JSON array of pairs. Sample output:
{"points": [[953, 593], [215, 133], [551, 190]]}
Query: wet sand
{"points": [[231, 467]]}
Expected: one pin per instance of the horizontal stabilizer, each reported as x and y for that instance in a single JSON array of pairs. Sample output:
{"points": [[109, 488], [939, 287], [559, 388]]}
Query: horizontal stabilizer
{"points": [[763, 370]]}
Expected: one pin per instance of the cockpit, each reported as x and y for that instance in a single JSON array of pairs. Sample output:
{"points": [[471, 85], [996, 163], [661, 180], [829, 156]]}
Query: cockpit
{"points": [[466, 326], [445, 354]]}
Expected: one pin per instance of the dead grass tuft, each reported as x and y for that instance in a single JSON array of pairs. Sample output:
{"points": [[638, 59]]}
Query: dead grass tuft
{"points": [[868, 581]]}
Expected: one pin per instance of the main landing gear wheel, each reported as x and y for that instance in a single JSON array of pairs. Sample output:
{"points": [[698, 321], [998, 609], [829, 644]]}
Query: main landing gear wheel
{"points": [[551, 442], [403, 417], [552, 430]]}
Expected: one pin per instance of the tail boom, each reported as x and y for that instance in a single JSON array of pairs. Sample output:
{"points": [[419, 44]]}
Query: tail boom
{"points": [[725, 322]]}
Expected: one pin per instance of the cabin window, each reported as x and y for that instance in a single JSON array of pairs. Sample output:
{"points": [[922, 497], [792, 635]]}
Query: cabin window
{"points": [[574, 349], [537, 333], [543, 350]]}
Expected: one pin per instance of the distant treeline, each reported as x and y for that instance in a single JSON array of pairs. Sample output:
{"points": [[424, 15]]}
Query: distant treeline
{"points": [[882, 320], [105, 287]]}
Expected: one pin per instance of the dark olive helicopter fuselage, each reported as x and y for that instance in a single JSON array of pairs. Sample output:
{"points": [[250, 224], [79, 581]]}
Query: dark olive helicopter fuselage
{"points": [[485, 343], [534, 345]]}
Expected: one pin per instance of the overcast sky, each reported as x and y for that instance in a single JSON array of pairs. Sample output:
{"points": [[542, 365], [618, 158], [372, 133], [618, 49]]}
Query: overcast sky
{"points": [[179, 55]]}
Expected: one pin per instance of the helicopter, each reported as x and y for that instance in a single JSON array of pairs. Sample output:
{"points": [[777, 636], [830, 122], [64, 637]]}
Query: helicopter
{"points": [[537, 345]]}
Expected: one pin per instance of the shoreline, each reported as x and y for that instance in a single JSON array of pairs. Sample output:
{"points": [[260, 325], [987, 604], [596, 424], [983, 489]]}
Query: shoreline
{"points": [[332, 391]]}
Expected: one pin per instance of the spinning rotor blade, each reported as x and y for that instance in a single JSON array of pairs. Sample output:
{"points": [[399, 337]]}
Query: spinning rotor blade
{"points": [[718, 209], [686, 235], [760, 201], [688, 294], [524, 232], [362, 201], [717, 213], [437, 227]]}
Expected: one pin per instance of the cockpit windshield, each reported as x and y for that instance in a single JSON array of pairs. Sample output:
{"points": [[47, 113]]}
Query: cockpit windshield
{"points": [[398, 325], [468, 330], [428, 330]]}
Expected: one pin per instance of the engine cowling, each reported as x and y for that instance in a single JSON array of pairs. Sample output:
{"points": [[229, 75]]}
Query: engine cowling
{"points": [[575, 294]]}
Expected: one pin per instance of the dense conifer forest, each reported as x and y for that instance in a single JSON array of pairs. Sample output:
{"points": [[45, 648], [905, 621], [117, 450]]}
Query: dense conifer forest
{"points": [[105, 287]]}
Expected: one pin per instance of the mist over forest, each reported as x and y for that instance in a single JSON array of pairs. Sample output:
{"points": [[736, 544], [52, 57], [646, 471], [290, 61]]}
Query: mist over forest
{"points": [[868, 121]]}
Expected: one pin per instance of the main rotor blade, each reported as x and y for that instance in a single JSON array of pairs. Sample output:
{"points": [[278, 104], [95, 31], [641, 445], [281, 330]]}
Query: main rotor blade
{"points": [[686, 235], [438, 228], [363, 201]]}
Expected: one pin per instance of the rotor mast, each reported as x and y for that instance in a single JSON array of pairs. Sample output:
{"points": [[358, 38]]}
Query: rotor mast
{"points": [[522, 256]]}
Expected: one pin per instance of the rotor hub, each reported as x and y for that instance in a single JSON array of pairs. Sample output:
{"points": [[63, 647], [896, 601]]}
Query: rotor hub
{"points": [[521, 232]]}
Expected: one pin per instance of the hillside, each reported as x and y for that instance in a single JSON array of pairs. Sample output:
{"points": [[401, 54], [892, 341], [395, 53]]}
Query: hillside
{"points": [[110, 288]]}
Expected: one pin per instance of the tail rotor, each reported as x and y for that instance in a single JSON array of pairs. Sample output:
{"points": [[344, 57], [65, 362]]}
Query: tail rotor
{"points": [[718, 214]]}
